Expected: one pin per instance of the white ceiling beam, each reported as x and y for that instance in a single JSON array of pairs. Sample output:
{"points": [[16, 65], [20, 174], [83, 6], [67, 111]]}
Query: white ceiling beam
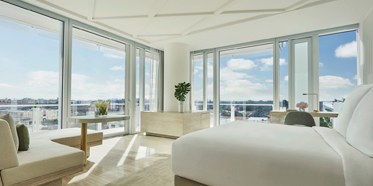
{"points": [[209, 18], [253, 11], [160, 35], [91, 9], [120, 17], [156, 8], [185, 14], [297, 5]]}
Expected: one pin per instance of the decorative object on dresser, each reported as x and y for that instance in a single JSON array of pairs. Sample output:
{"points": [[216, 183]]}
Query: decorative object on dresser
{"points": [[181, 90]]}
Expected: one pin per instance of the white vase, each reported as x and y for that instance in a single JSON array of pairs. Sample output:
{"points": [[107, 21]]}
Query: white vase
{"points": [[181, 106]]}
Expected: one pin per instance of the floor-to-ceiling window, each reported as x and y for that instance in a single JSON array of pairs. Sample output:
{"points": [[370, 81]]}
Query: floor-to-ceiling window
{"points": [[246, 84], [98, 73], [337, 69], [138, 90], [30, 59], [283, 75], [198, 82], [210, 86]]}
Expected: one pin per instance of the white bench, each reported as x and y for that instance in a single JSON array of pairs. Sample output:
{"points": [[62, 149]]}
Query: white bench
{"points": [[52, 155]]}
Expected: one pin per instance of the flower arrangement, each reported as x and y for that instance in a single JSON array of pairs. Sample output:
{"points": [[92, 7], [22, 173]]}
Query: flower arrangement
{"points": [[101, 106], [302, 106]]}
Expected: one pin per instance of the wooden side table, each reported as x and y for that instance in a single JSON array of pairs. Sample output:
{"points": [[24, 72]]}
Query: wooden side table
{"points": [[84, 120]]}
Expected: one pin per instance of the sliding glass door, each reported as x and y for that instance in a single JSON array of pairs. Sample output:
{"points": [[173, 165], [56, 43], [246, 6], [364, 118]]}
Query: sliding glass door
{"points": [[98, 73], [246, 84], [301, 54], [30, 59]]}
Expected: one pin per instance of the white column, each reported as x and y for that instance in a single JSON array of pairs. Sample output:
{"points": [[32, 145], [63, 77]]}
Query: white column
{"points": [[176, 70]]}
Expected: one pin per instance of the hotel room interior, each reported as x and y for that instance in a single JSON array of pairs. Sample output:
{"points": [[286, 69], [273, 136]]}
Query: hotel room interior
{"points": [[186, 92]]}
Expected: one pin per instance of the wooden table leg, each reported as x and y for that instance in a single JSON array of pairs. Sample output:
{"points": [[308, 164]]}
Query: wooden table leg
{"points": [[83, 141]]}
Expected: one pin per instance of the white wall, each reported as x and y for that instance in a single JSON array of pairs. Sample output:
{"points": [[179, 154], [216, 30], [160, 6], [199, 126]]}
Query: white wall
{"points": [[176, 70], [366, 49]]}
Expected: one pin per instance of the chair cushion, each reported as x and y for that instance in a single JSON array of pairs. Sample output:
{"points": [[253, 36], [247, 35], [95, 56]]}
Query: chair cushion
{"points": [[360, 130], [12, 126], [43, 157], [8, 152], [23, 137], [69, 137], [349, 106]]}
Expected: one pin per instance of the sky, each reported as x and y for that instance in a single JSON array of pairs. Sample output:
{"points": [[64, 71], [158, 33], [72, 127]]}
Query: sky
{"points": [[31, 58], [249, 76]]}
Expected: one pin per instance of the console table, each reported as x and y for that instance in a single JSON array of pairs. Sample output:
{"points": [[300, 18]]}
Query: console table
{"points": [[279, 116], [93, 119], [174, 124]]}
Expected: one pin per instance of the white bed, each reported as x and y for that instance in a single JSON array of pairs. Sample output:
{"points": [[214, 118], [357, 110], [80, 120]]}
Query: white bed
{"points": [[257, 154]]}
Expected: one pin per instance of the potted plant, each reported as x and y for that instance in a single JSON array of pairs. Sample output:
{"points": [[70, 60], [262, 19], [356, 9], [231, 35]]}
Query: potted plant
{"points": [[181, 90], [101, 107]]}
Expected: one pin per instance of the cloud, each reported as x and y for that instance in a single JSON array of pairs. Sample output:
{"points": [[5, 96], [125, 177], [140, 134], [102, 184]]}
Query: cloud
{"points": [[240, 64], [334, 82], [4, 85], [269, 81], [228, 74], [321, 64], [43, 78], [356, 77], [117, 68], [244, 90], [114, 56], [195, 71], [347, 50], [286, 78], [268, 63]]}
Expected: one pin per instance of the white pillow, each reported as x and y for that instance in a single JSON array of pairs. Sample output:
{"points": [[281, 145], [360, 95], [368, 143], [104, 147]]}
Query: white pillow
{"points": [[349, 106], [360, 130], [13, 128]]}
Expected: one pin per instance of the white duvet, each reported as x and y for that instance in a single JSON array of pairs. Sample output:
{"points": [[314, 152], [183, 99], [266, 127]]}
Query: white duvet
{"points": [[257, 154]]}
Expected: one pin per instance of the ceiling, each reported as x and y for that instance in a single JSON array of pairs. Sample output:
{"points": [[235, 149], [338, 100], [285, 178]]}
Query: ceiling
{"points": [[206, 24]]}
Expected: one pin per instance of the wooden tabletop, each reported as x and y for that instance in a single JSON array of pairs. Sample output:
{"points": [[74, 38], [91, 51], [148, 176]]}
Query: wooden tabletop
{"points": [[313, 114], [98, 119]]}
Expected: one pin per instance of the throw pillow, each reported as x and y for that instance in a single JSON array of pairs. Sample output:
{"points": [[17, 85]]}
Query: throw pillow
{"points": [[12, 126], [24, 137]]}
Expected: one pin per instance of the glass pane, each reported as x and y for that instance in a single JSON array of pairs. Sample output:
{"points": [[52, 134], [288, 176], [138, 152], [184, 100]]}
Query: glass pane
{"points": [[151, 80], [338, 71], [98, 71], [138, 124], [198, 82], [246, 84], [301, 71], [210, 83], [284, 75], [30, 53]]}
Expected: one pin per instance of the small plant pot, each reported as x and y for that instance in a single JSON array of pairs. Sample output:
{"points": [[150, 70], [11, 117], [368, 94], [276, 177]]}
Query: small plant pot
{"points": [[181, 106]]}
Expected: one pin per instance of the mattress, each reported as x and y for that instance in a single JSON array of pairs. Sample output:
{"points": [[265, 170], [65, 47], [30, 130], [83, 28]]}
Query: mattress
{"points": [[245, 153]]}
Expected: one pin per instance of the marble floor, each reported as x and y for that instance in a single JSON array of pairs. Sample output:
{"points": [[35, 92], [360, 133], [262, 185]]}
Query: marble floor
{"points": [[123, 157]]}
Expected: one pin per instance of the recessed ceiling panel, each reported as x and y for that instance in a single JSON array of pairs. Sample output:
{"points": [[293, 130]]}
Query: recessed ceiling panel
{"points": [[80, 8], [191, 6], [131, 26], [170, 25], [106, 8], [226, 18]]}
